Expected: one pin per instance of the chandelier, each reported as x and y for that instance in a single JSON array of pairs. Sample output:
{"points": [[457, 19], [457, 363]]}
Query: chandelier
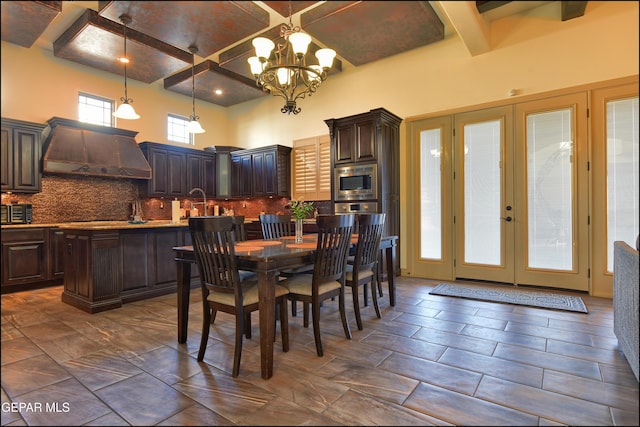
{"points": [[125, 110], [285, 73]]}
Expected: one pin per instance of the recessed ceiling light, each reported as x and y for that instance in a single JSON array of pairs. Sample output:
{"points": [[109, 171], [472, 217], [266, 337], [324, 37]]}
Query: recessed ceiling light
{"points": [[218, 92]]}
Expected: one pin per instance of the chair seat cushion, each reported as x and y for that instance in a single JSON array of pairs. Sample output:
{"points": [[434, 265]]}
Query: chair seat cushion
{"points": [[246, 275], [301, 285], [362, 274], [249, 291]]}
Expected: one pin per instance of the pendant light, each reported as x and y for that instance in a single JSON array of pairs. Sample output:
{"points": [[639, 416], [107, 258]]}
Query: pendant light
{"points": [[285, 73], [194, 125], [125, 110]]}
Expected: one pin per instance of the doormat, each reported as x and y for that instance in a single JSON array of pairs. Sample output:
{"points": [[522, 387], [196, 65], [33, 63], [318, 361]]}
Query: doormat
{"points": [[512, 296]]}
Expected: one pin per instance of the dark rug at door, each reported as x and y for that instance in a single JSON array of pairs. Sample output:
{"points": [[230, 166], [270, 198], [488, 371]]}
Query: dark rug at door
{"points": [[512, 295]]}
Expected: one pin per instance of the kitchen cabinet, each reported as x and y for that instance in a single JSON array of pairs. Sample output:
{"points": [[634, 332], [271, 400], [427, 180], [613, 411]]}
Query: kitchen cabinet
{"points": [[106, 267], [264, 171], [372, 137], [176, 170], [30, 258], [311, 164], [20, 153], [223, 170]]}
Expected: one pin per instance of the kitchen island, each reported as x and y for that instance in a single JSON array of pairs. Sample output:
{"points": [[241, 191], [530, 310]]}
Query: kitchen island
{"points": [[110, 263]]}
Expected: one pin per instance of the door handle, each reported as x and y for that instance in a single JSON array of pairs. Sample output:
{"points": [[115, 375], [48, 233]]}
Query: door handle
{"points": [[508, 218]]}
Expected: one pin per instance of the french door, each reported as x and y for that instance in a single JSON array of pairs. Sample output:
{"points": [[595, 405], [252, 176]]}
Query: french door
{"points": [[503, 194]]}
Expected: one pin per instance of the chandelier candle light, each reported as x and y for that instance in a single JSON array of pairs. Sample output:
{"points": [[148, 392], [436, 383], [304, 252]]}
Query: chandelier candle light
{"points": [[286, 73], [194, 125], [125, 110]]}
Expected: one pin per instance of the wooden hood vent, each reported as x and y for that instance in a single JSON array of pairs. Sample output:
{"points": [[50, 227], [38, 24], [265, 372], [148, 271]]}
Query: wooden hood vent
{"points": [[73, 147]]}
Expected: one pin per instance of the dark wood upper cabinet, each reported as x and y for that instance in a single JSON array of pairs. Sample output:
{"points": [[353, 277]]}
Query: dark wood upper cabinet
{"points": [[264, 171], [176, 170], [21, 151]]}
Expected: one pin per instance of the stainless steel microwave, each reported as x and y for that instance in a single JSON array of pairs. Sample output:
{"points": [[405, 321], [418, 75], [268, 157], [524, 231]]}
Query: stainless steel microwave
{"points": [[356, 182]]}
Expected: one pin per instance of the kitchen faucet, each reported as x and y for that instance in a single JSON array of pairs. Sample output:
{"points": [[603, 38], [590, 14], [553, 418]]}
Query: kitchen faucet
{"points": [[204, 199]]}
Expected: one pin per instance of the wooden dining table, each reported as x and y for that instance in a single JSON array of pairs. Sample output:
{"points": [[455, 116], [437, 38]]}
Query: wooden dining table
{"points": [[266, 258]]}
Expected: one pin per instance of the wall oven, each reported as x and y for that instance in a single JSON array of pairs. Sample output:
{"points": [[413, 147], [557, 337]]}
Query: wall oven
{"points": [[356, 182]]}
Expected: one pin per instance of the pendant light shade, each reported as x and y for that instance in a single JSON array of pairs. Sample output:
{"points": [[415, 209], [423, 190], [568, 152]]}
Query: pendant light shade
{"points": [[194, 125], [125, 110]]}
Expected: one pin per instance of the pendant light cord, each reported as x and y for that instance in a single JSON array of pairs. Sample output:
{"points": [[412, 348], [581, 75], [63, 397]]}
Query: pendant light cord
{"points": [[193, 81]]}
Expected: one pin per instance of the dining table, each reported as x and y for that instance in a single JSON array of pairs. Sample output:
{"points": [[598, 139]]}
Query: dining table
{"points": [[266, 258]]}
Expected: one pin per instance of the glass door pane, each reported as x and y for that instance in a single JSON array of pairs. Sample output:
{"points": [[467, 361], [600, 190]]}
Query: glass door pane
{"points": [[623, 156], [482, 193], [430, 195], [549, 189]]}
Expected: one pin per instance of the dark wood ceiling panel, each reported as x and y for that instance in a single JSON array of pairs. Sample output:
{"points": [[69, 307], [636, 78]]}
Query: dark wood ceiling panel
{"points": [[209, 76], [235, 59], [209, 25], [485, 6], [97, 42], [24, 21], [366, 31], [282, 7]]}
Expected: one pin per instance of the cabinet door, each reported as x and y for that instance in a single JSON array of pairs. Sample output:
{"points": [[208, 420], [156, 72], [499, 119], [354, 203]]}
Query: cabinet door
{"points": [[258, 174], [157, 185], [56, 253], [345, 144], [365, 141], [241, 174], [6, 159], [209, 175], [26, 160], [270, 173], [24, 257], [223, 175], [194, 171], [176, 163]]}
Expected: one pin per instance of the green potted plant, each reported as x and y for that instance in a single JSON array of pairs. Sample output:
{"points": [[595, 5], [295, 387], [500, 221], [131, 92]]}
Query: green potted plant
{"points": [[300, 210]]}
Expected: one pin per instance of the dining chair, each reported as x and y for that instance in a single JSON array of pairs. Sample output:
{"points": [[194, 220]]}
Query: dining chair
{"points": [[239, 228], [329, 268], [275, 226], [213, 241], [363, 268]]}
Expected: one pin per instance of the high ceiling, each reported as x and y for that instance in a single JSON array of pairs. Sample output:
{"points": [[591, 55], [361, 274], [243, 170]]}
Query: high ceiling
{"points": [[161, 32]]}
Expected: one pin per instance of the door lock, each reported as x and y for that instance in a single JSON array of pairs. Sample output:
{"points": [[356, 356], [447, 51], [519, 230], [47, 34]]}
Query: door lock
{"points": [[508, 218]]}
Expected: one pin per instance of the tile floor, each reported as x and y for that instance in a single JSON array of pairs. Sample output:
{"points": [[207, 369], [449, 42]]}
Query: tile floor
{"points": [[430, 360]]}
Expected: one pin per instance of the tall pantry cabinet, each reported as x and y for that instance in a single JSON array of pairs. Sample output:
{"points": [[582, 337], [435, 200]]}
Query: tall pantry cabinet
{"points": [[371, 138]]}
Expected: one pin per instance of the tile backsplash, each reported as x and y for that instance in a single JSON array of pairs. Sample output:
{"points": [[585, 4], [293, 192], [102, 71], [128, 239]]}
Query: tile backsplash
{"points": [[79, 198]]}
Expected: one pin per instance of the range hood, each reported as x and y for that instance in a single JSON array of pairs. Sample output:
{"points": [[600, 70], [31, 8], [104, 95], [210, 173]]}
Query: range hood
{"points": [[73, 147]]}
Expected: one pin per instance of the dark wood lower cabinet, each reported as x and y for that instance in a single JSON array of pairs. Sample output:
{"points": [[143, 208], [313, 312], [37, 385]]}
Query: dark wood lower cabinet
{"points": [[31, 258], [107, 268]]}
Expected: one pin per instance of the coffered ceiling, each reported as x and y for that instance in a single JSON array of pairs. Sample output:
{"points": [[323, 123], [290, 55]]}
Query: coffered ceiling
{"points": [[160, 34]]}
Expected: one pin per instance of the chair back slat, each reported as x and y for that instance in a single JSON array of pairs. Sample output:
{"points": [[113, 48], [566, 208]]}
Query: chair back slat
{"points": [[334, 239], [275, 226], [213, 243], [370, 230]]}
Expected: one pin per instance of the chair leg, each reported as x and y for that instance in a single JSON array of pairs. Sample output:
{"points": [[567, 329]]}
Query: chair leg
{"points": [[205, 334], [343, 314], [284, 324], [294, 308], [315, 315], [356, 304], [237, 354], [366, 294], [305, 314], [374, 296], [247, 325], [213, 316]]}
